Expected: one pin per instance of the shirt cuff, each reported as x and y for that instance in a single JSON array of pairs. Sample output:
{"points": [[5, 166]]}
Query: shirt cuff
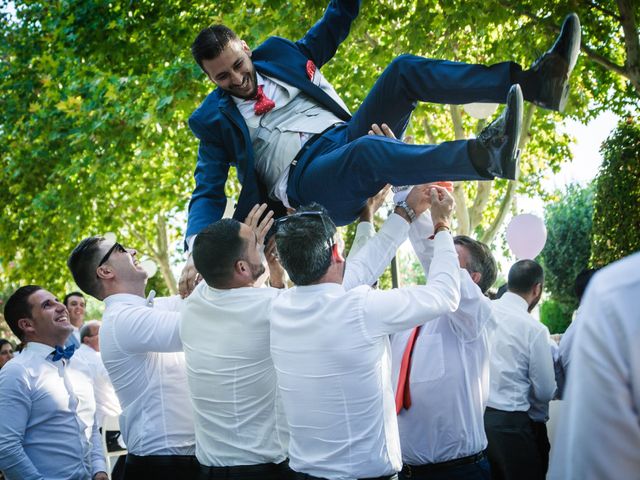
{"points": [[397, 224], [444, 241]]}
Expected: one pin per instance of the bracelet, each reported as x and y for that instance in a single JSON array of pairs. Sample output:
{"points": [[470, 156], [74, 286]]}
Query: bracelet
{"points": [[407, 209], [439, 225]]}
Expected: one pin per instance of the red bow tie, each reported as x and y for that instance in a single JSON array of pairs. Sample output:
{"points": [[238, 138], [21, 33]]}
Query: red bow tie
{"points": [[263, 103]]}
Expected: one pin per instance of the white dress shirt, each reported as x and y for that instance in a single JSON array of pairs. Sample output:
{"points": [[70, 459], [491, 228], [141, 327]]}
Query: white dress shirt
{"points": [[331, 352], [449, 380], [598, 434], [142, 351], [47, 429], [107, 403], [225, 333], [521, 362]]}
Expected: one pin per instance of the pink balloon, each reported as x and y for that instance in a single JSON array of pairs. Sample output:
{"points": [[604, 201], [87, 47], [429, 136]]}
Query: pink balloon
{"points": [[526, 236]]}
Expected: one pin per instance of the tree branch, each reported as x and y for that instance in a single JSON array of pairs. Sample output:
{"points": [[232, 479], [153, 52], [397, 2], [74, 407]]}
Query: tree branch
{"points": [[429, 132]]}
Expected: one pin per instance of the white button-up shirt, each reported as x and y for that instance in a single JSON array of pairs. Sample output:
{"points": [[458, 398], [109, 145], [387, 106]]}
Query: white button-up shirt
{"points": [[142, 351], [521, 361], [331, 352], [107, 403], [225, 333], [47, 428], [449, 380], [598, 434]]}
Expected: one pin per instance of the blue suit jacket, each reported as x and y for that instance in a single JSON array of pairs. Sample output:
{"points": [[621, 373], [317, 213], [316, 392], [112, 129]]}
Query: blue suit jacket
{"points": [[222, 131]]}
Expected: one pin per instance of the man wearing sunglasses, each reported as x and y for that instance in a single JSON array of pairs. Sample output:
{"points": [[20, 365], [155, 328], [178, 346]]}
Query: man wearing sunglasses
{"points": [[331, 352], [142, 351]]}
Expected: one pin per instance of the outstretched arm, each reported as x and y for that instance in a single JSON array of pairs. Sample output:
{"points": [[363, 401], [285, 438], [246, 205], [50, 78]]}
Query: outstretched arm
{"points": [[323, 39]]}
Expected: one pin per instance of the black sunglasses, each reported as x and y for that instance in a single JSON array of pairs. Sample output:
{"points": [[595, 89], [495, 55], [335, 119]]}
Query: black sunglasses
{"points": [[310, 213], [114, 247]]}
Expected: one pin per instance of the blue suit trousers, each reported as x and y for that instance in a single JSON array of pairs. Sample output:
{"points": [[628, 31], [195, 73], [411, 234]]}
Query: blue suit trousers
{"points": [[346, 166]]}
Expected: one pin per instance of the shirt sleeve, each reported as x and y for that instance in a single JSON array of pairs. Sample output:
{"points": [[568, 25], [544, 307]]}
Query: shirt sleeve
{"points": [[367, 265], [15, 408], [365, 231], [98, 461], [541, 371], [149, 330], [419, 233], [390, 311]]}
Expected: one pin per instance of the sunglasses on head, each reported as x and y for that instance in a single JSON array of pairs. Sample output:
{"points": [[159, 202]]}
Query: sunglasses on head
{"points": [[310, 213]]}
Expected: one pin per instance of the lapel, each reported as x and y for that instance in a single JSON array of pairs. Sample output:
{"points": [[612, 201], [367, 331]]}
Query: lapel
{"points": [[294, 78]]}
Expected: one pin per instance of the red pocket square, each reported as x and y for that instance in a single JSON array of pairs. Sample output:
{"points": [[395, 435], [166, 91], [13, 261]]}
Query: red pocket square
{"points": [[311, 69]]}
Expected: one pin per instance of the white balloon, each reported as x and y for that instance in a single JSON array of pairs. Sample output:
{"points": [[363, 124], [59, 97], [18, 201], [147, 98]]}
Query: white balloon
{"points": [[480, 110], [526, 236], [149, 266]]}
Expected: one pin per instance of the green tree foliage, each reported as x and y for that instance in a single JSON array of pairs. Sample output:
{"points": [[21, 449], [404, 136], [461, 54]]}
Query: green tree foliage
{"points": [[616, 221], [96, 94], [568, 247], [566, 253]]}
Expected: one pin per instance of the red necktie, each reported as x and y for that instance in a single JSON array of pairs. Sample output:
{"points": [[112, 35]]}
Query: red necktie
{"points": [[403, 395], [263, 103]]}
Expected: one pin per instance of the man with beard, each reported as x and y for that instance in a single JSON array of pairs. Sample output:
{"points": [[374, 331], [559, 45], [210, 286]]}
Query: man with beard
{"points": [[141, 349], [239, 424], [521, 374], [281, 123]]}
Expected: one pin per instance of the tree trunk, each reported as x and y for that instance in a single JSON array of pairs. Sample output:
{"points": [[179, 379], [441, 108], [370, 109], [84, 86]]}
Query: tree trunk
{"points": [[162, 256]]}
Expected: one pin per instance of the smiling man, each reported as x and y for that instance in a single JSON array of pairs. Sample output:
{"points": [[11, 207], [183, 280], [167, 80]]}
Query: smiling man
{"points": [[76, 306], [47, 428], [141, 349]]}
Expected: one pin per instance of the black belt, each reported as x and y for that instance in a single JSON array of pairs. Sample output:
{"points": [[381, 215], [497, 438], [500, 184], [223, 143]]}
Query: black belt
{"points": [[409, 470], [307, 146], [238, 470], [305, 476], [161, 460]]}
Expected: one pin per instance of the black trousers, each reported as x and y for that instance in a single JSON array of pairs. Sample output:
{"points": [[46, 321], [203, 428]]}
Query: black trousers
{"points": [[265, 471], [542, 440], [305, 476], [161, 467], [512, 450]]}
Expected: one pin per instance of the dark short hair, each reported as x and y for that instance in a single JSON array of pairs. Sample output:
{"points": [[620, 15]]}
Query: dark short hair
{"points": [[303, 244], [216, 250], [3, 342], [582, 280], [480, 260], [83, 263], [524, 275], [210, 43], [69, 295], [18, 307]]}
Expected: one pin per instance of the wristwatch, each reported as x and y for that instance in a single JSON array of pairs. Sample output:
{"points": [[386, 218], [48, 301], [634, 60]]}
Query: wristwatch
{"points": [[408, 210]]}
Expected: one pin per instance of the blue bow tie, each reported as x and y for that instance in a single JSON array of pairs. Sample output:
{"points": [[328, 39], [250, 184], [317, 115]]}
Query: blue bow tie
{"points": [[60, 352]]}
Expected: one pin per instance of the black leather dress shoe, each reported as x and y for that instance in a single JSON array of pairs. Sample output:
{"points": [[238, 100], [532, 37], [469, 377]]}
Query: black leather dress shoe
{"points": [[495, 152], [554, 67]]}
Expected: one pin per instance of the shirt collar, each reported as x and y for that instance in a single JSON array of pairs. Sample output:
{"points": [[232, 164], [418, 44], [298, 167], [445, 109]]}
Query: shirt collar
{"points": [[39, 349], [126, 298], [259, 80], [515, 300]]}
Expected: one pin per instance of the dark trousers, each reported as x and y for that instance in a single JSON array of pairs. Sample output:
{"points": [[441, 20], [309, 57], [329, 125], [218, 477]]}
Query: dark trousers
{"points": [[161, 467], [266, 471], [305, 476], [542, 440], [512, 449], [346, 166], [478, 470]]}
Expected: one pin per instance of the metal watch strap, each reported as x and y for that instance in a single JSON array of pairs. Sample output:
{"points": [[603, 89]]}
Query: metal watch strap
{"points": [[408, 210]]}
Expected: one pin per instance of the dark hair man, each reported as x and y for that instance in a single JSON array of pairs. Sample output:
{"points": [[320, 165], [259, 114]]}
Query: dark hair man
{"points": [[306, 146], [331, 352], [141, 349], [441, 372], [44, 403], [225, 333], [521, 377], [76, 307]]}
